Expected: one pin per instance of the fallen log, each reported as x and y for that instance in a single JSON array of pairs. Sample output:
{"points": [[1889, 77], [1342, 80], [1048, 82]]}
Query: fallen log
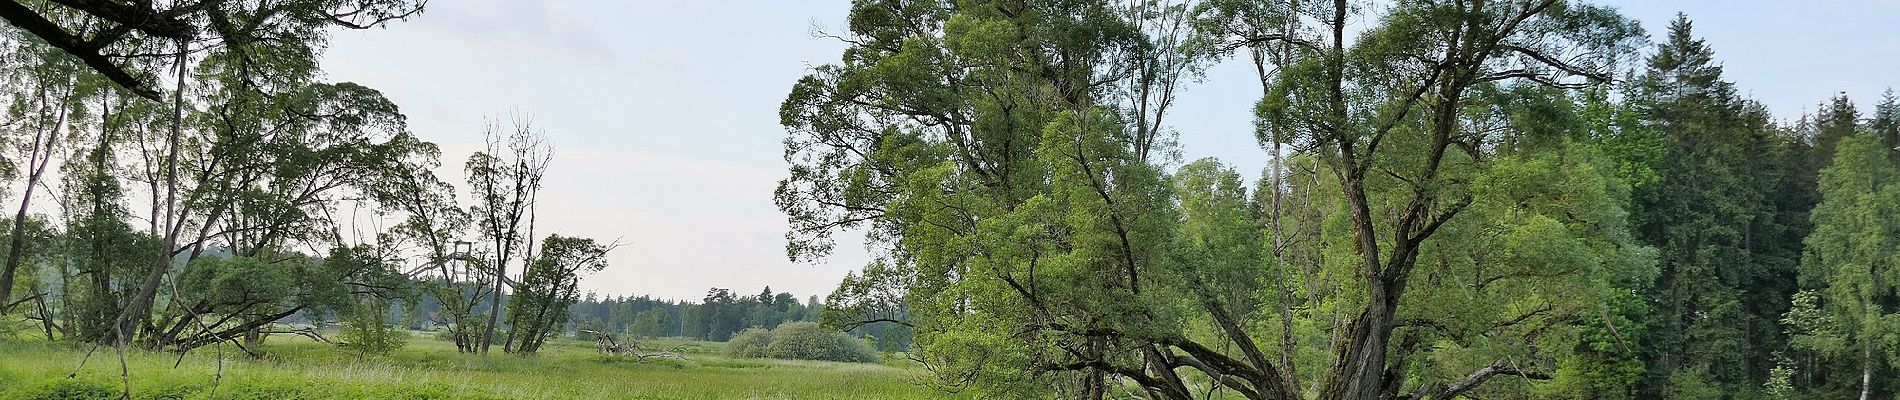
{"points": [[606, 345]]}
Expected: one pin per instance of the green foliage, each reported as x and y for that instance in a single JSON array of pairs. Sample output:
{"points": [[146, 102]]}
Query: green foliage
{"points": [[1814, 329], [251, 163], [652, 323], [720, 315], [538, 307], [808, 341], [1010, 162], [750, 343], [368, 332], [1726, 216], [1439, 203], [240, 281], [1780, 384], [251, 292], [106, 250], [1693, 385], [1848, 320], [800, 341]]}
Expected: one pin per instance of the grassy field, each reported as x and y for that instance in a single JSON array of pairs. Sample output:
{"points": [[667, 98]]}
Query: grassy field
{"points": [[431, 369]]}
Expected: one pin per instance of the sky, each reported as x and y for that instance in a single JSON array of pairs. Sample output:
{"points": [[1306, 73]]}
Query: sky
{"points": [[664, 113]]}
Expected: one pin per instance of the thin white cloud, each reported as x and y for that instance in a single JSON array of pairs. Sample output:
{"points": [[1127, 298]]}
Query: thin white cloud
{"points": [[544, 27]]}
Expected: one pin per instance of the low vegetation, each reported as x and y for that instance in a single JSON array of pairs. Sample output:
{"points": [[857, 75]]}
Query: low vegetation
{"points": [[800, 341], [293, 367]]}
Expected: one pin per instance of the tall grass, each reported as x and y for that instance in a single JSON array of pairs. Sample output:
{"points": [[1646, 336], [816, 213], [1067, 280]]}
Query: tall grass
{"points": [[292, 368]]}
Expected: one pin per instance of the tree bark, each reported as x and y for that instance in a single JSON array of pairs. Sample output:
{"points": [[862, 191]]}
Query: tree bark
{"points": [[494, 307], [1866, 371], [16, 245]]}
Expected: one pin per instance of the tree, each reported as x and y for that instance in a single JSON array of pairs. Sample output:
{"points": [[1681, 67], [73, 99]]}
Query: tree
{"points": [[539, 306], [1838, 119], [366, 329], [261, 150], [718, 316], [1726, 214], [103, 252], [504, 181], [49, 96], [653, 323], [1010, 155], [271, 171], [1851, 313], [1885, 123], [248, 163], [434, 222], [784, 302]]}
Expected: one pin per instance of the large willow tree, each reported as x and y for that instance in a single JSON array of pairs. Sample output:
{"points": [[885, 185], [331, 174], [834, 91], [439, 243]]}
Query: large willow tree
{"points": [[1443, 219]]}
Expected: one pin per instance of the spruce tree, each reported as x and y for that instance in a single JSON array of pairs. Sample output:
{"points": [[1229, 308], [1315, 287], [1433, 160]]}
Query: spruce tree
{"points": [[1719, 216]]}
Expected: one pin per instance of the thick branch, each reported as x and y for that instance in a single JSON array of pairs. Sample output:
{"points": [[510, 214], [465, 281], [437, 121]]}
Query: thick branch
{"points": [[129, 14], [32, 22], [1478, 378], [1553, 62]]}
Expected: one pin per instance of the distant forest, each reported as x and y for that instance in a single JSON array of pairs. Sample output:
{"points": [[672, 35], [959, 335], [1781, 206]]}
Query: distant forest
{"points": [[717, 317]]}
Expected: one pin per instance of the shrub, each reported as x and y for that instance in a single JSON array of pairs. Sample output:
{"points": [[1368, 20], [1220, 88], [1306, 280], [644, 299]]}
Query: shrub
{"points": [[750, 343], [800, 341], [471, 327], [444, 334], [368, 332]]}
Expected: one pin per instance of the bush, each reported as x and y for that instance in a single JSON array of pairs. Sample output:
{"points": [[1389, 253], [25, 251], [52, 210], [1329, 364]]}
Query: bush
{"points": [[749, 343], [472, 327], [368, 332], [800, 341]]}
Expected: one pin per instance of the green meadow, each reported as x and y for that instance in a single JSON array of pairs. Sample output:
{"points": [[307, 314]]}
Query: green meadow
{"points": [[294, 368]]}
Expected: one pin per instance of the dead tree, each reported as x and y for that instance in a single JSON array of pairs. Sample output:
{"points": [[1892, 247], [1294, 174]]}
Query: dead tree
{"points": [[606, 345]]}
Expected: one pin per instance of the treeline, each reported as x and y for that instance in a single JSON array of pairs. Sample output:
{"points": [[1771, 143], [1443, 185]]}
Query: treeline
{"points": [[1465, 199], [716, 317]]}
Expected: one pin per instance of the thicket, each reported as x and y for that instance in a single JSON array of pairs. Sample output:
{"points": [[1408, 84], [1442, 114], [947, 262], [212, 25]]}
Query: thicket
{"points": [[800, 341]]}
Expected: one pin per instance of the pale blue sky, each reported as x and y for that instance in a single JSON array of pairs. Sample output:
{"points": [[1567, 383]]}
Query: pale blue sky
{"points": [[664, 113]]}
